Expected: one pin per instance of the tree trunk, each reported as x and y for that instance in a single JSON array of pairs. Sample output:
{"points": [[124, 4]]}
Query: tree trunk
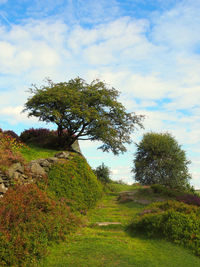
{"points": [[60, 132]]}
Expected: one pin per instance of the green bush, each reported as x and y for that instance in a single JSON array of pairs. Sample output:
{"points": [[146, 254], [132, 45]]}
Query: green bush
{"points": [[159, 159], [29, 221], [42, 137], [75, 180], [166, 191], [175, 221], [103, 174]]}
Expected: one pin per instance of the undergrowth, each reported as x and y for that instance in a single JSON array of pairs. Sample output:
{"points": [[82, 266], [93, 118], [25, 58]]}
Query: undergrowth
{"points": [[29, 221], [75, 180], [173, 220]]}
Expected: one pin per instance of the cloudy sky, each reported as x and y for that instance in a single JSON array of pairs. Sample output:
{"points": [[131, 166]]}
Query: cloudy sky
{"points": [[149, 50]]}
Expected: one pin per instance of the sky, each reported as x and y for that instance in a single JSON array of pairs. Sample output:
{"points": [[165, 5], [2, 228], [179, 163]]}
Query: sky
{"points": [[149, 50]]}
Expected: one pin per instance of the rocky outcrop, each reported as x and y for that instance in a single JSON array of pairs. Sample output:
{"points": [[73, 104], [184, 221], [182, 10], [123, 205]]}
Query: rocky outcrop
{"points": [[75, 147], [27, 174]]}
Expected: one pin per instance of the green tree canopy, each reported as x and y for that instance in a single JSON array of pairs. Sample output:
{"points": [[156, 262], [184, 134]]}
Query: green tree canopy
{"points": [[86, 111], [160, 160], [103, 173]]}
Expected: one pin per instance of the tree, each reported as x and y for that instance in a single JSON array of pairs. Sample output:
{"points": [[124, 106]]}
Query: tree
{"points": [[103, 173], [160, 160], [86, 111]]}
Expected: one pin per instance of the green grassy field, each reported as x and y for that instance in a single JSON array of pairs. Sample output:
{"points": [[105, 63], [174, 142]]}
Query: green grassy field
{"points": [[112, 245]]}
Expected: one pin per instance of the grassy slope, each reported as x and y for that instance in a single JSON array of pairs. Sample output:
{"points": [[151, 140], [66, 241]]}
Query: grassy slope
{"points": [[32, 152], [111, 246]]}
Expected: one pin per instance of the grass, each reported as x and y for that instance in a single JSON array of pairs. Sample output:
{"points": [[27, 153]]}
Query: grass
{"points": [[198, 192], [112, 245], [33, 152], [124, 187]]}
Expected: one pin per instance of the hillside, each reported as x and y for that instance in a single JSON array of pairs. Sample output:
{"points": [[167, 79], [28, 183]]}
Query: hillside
{"points": [[55, 212], [113, 245], [45, 192]]}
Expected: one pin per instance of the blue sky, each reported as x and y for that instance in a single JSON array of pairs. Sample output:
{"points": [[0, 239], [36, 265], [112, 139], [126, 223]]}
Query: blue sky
{"points": [[148, 50]]}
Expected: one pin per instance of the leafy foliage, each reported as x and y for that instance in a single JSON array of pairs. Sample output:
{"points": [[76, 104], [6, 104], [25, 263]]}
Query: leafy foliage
{"points": [[173, 220], [160, 160], [9, 151], [31, 133], [12, 134], [103, 173], [75, 181], [45, 138], [86, 111], [165, 191], [189, 199], [29, 222]]}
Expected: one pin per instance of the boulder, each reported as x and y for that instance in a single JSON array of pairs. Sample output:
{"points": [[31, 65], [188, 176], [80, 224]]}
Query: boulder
{"points": [[52, 160], [36, 169], [16, 167], [62, 155], [44, 162], [75, 147], [3, 189]]}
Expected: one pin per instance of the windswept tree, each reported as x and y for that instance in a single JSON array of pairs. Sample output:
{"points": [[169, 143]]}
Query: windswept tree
{"points": [[160, 160], [86, 111]]}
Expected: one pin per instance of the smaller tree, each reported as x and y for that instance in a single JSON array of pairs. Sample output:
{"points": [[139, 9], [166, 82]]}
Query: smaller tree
{"points": [[103, 173], [160, 160]]}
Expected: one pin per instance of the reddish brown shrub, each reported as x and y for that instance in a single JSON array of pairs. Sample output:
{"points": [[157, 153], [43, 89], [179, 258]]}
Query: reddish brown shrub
{"points": [[12, 134], [189, 199], [9, 151], [29, 221]]}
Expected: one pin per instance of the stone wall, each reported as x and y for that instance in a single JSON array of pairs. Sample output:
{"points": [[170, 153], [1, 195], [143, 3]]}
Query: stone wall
{"points": [[21, 174]]}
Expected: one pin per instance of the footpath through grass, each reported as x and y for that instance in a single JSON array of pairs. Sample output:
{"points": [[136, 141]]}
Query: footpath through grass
{"points": [[111, 245]]}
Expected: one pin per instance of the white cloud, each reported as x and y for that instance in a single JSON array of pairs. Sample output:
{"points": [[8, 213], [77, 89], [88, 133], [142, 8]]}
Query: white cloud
{"points": [[14, 115], [30, 46], [178, 27], [122, 173], [147, 64]]}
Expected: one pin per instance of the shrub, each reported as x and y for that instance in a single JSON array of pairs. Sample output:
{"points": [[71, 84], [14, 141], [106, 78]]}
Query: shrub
{"points": [[172, 220], [32, 133], [189, 199], [160, 160], [12, 134], [9, 151], [45, 138], [120, 182], [75, 181], [29, 222], [163, 190], [103, 173]]}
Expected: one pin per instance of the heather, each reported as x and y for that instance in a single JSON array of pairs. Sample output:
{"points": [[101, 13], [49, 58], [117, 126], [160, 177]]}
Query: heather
{"points": [[39, 218], [33, 216], [9, 150], [175, 221], [30, 221]]}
